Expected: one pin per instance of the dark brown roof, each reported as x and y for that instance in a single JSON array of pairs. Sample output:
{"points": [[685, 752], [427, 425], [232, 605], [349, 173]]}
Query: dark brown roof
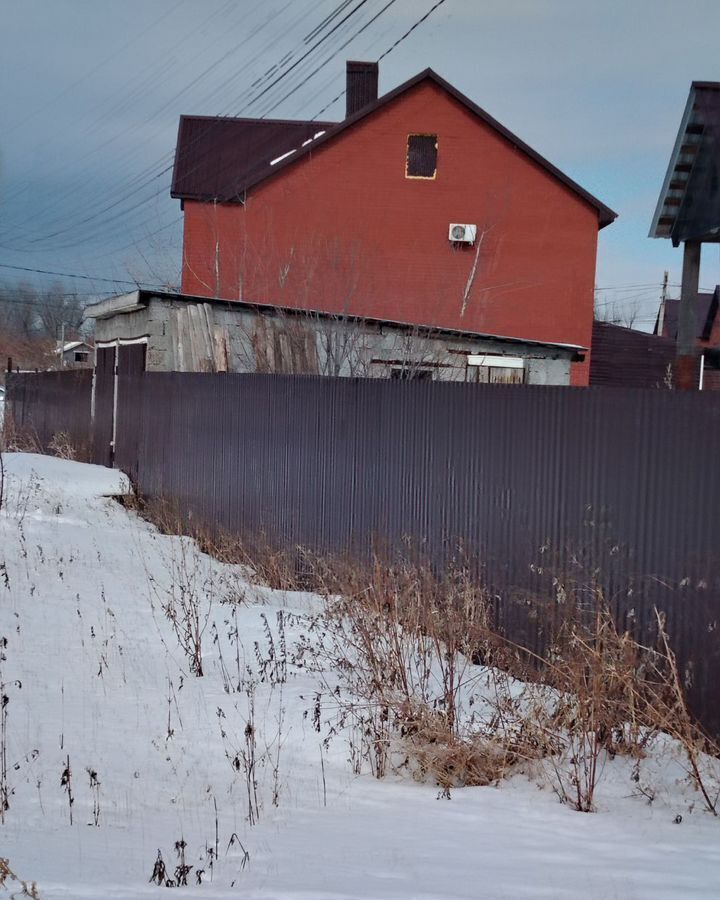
{"points": [[622, 357], [261, 171], [219, 158], [706, 307]]}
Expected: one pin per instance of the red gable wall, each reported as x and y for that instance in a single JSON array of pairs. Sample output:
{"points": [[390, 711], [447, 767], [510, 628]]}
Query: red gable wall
{"points": [[344, 230]]}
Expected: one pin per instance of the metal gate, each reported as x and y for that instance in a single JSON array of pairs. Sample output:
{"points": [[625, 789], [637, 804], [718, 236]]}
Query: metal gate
{"points": [[112, 361]]}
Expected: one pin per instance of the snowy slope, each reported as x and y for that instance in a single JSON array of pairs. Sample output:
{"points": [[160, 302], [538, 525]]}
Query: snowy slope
{"points": [[101, 681]]}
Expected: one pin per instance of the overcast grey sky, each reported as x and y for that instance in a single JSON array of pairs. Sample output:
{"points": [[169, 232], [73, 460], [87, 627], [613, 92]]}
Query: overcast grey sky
{"points": [[92, 91]]}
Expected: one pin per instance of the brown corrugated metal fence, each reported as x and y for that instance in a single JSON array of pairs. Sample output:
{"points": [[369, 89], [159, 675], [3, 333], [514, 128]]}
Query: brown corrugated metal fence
{"points": [[534, 483], [47, 407]]}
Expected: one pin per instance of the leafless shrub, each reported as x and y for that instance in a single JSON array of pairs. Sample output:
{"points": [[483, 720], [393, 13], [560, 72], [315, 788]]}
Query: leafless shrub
{"points": [[262, 560], [613, 696], [62, 446], [187, 601], [15, 439], [667, 706], [598, 674], [8, 879], [242, 754], [395, 648]]}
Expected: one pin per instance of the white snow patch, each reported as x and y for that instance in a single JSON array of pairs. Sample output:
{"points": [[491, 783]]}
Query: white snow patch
{"points": [[105, 683], [274, 162]]}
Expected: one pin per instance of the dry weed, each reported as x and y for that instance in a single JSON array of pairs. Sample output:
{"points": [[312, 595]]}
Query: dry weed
{"points": [[62, 446], [8, 880]]}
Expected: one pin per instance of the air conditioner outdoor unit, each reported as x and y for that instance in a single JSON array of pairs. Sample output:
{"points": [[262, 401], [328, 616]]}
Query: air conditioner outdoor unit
{"points": [[462, 234]]}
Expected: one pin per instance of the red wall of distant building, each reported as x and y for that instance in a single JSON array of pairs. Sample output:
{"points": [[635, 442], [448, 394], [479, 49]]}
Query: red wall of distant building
{"points": [[344, 230]]}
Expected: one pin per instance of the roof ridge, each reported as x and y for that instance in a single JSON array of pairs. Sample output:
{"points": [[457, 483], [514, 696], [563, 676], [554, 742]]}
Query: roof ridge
{"points": [[605, 214]]}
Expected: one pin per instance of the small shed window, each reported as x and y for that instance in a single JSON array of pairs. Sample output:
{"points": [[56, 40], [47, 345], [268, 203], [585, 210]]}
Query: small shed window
{"points": [[81, 355], [492, 369], [421, 160], [411, 374]]}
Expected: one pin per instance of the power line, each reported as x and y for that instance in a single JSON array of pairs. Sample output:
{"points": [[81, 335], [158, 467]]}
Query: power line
{"points": [[75, 275], [330, 58], [151, 170], [125, 195], [276, 79], [387, 52], [93, 71]]}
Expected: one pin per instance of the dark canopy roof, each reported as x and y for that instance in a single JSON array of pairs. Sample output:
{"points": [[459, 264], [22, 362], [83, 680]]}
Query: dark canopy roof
{"points": [[210, 168], [689, 203]]}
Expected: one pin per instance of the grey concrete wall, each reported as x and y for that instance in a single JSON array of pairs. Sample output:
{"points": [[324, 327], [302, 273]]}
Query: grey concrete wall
{"points": [[189, 337]]}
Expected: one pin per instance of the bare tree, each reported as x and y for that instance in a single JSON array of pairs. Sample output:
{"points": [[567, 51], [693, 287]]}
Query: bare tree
{"points": [[18, 310], [56, 308]]}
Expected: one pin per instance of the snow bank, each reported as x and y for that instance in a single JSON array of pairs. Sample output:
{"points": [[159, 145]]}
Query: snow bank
{"points": [[94, 674]]}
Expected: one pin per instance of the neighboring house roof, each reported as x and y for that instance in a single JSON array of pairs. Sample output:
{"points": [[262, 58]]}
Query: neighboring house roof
{"points": [[222, 175], [135, 300], [73, 345], [689, 204], [705, 312], [622, 357]]}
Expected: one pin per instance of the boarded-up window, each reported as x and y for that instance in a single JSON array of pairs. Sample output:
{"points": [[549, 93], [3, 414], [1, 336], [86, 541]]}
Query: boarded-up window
{"points": [[421, 161]]}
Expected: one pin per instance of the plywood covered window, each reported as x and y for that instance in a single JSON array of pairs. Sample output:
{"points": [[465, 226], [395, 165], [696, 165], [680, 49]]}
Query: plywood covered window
{"points": [[421, 160]]}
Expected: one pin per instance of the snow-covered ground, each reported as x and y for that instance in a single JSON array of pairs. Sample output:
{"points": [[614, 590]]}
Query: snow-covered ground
{"points": [[94, 675]]}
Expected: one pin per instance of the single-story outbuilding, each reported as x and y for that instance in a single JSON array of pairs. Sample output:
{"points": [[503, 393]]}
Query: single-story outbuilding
{"points": [[76, 353], [182, 333]]}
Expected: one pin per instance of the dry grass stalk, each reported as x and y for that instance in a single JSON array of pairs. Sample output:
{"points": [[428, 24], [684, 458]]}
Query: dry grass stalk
{"points": [[14, 439], [8, 879], [669, 710], [401, 643], [63, 447]]}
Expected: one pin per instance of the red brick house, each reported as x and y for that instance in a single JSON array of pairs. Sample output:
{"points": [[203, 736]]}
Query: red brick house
{"points": [[418, 207]]}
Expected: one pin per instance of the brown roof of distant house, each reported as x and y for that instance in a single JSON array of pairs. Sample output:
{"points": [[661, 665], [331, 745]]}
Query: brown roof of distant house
{"points": [[705, 309], [622, 357], [253, 173], [220, 158]]}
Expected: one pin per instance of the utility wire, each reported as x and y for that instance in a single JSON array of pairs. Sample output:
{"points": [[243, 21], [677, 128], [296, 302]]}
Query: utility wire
{"points": [[169, 167], [265, 90], [75, 275], [387, 52]]}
